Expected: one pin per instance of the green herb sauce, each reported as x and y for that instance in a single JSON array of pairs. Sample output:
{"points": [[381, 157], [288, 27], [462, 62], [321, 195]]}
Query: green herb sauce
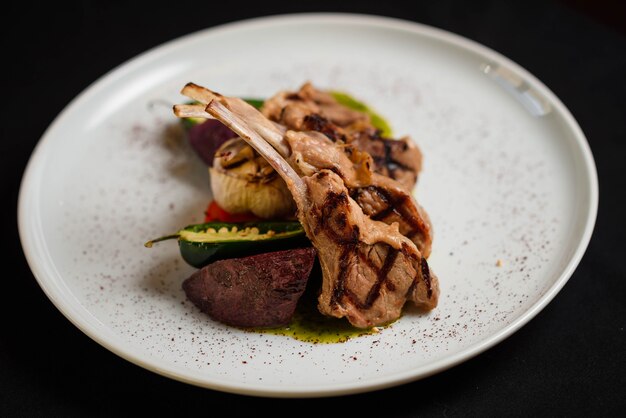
{"points": [[310, 326], [378, 121]]}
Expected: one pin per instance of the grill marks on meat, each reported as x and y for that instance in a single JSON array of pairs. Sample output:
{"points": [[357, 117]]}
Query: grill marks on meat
{"points": [[370, 270], [426, 277], [382, 204], [380, 197], [314, 122], [399, 159], [310, 109]]}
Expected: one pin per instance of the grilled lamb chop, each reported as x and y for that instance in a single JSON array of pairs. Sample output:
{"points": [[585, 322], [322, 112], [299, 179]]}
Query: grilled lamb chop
{"points": [[369, 268], [310, 109], [379, 196]]}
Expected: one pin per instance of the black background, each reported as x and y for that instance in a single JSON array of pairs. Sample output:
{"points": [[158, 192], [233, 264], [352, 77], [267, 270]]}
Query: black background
{"points": [[568, 361]]}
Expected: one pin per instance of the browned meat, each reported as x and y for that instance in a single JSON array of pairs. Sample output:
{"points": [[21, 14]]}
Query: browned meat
{"points": [[256, 291], [306, 101], [380, 197], [389, 205], [369, 268], [312, 110], [399, 159]]}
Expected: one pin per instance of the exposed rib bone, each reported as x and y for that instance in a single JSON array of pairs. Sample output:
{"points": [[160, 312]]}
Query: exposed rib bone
{"points": [[272, 132], [198, 93], [256, 141], [191, 111]]}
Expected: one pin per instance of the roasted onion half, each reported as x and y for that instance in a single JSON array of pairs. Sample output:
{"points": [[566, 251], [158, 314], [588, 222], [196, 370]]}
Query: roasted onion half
{"points": [[243, 181]]}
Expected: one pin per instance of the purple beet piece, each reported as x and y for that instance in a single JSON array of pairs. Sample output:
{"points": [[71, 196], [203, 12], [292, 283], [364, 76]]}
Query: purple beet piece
{"points": [[256, 291], [205, 138]]}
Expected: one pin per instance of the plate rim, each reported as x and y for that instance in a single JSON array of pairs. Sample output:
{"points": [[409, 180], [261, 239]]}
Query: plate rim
{"points": [[128, 352]]}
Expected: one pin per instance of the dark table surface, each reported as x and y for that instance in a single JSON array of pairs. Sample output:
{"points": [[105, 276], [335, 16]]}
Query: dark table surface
{"points": [[568, 361]]}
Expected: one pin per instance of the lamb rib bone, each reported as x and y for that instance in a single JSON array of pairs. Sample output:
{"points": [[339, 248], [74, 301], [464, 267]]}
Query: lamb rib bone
{"points": [[269, 130], [191, 111]]}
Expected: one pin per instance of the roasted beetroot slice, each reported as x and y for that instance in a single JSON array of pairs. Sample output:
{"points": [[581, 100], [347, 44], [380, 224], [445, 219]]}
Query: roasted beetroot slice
{"points": [[205, 138], [257, 291]]}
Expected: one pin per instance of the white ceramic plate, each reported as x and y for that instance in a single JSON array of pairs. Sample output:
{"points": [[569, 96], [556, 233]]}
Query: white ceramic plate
{"points": [[509, 182]]}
